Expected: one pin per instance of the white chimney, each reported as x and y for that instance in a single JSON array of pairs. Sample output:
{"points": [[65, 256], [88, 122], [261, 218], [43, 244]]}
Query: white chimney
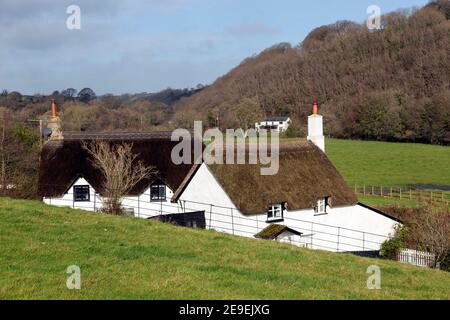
{"points": [[315, 128]]}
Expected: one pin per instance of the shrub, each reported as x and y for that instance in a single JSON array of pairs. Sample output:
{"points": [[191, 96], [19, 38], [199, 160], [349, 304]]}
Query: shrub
{"points": [[390, 248], [445, 264], [293, 132]]}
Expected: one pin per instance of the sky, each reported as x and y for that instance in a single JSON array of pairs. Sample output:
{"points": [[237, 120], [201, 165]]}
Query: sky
{"points": [[132, 46]]}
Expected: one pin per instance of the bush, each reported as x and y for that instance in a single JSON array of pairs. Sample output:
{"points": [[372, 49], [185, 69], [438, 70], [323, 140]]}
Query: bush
{"points": [[445, 264], [293, 132], [390, 248]]}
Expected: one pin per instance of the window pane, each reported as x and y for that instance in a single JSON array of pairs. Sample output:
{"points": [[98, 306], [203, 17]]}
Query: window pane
{"points": [[274, 212], [321, 206], [158, 192], [81, 193]]}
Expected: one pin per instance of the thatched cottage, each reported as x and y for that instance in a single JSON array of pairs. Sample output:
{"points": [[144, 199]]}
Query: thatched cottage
{"points": [[307, 203]]}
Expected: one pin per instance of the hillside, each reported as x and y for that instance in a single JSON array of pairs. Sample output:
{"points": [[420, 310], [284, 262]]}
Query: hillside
{"points": [[389, 84], [131, 258]]}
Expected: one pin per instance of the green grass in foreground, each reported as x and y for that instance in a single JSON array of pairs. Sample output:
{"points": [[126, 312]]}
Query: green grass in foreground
{"points": [[132, 258], [389, 164]]}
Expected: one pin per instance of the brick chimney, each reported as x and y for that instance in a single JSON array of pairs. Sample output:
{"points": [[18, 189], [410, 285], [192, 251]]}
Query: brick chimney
{"points": [[315, 128], [54, 124]]}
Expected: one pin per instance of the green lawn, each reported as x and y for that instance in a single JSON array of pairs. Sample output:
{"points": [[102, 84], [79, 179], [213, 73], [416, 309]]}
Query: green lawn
{"points": [[132, 258], [389, 164]]}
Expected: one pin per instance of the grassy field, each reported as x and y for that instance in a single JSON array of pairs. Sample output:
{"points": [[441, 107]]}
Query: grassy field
{"points": [[383, 201], [390, 164], [132, 258]]}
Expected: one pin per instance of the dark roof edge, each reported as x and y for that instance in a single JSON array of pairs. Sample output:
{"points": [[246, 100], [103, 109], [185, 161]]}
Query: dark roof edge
{"points": [[177, 194], [380, 212]]}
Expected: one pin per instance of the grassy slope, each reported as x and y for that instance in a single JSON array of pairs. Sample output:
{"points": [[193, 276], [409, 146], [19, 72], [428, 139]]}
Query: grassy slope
{"points": [[132, 258], [389, 164]]}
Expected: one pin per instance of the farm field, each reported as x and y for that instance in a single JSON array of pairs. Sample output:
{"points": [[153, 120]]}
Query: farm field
{"points": [[390, 164], [129, 258], [383, 201]]}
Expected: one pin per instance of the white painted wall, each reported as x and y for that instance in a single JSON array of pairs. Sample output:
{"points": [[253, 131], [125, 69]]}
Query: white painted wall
{"points": [[290, 238], [328, 232], [140, 205]]}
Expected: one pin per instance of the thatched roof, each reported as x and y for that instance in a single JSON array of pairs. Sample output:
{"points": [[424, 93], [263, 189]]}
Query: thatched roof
{"points": [[63, 162], [305, 175], [274, 230]]}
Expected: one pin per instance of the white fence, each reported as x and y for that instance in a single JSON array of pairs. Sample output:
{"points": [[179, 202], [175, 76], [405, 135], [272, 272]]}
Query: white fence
{"points": [[417, 258], [226, 219]]}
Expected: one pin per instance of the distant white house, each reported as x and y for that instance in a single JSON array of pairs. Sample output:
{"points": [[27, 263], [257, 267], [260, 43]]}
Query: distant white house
{"points": [[279, 124]]}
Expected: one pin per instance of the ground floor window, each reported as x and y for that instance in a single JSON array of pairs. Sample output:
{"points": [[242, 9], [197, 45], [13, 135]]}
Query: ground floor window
{"points": [[158, 192], [81, 194]]}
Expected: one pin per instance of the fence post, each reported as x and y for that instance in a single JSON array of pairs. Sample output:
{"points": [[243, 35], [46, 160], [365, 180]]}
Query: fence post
{"points": [[210, 214], [373, 190], [381, 190], [364, 240], [232, 221], [391, 192], [364, 188], [312, 234], [338, 235], [400, 193]]}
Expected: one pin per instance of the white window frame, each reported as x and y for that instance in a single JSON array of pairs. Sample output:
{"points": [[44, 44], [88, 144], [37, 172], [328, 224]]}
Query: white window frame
{"points": [[321, 206], [275, 212]]}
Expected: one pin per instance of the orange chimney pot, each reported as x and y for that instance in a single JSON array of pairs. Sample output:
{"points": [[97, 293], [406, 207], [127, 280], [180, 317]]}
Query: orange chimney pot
{"points": [[315, 108], [53, 109]]}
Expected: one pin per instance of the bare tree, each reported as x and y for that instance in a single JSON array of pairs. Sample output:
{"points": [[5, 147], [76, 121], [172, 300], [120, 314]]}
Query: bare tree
{"points": [[434, 231], [120, 169]]}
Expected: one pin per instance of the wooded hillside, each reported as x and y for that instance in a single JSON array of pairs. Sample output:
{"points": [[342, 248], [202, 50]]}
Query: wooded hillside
{"points": [[387, 84]]}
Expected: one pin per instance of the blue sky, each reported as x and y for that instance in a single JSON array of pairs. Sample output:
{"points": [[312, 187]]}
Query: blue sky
{"points": [[136, 45]]}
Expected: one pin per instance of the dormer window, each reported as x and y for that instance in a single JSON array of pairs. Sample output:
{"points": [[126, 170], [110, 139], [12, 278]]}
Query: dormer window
{"points": [[158, 192], [322, 205], [275, 213]]}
